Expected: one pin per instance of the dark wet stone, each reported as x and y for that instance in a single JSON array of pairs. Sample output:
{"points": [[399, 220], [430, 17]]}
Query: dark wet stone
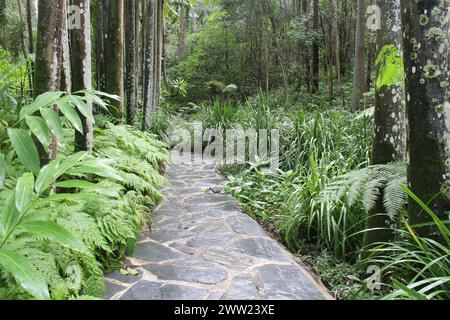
{"points": [[242, 287], [217, 214], [171, 209], [245, 225], [287, 283], [116, 275], [183, 248], [163, 236], [210, 234], [228, 259], [263, 248], [231, 205], [112, 289], [146, 290], [204, 274], [198, 207], [166, 224], [155, 252]]}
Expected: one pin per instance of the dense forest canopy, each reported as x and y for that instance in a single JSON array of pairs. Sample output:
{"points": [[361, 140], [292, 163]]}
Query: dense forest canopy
{"points": [[355, 94]]}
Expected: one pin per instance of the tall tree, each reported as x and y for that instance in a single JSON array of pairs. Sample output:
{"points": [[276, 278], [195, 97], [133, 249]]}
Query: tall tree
{"points": [[149, 53], [30, 27], [359, 77], [101, 22], [390, 117], [81, 62], [50, 60], [182, 31], [114, 55], [159, 38], [131, 59], [426, 53], [315, 63]]}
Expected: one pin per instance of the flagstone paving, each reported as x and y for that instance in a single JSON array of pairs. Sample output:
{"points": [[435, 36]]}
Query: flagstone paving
{"points": [[204, 247]]}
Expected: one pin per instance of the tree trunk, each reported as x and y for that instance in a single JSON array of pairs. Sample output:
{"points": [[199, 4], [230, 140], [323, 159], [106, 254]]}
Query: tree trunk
{"points": [[81, 60], [337, 49], [390, 117], [114, 56], [131, 60], [315, 74], [159, 50], [30, 27], [149, 52], [359, 78], [50, 56], [101, 22], [182, 33], [425, 27]]}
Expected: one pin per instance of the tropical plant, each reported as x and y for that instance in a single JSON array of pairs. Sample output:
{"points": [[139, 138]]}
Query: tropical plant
{"points": [[416, 267]]}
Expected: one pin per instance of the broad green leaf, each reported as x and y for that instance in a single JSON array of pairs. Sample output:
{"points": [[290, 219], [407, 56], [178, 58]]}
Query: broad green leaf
{"points": [[81, 184], [2, 170], [81, 196], [71, 114], [25, 148], [42, 101], [24, 192], [39, 128], [70, 162], [53, 122], [86, 185], [25, 274], [82, 107], [46, 176], [390, 68], [54, 232], [10, 214]]}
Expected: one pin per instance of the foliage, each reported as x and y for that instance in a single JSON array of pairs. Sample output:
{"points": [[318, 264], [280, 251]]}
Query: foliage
{"points": [[103, 199], [390, 68], [416, 267]]}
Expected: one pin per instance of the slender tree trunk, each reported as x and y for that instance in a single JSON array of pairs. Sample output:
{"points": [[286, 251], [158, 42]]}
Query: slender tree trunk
{"points": [[149, 52], [100, 38], [131, 60], [158, 50], [182, 33], [114, 56], [426, 53], [359, 78], [50, 56], [81, 60], [30, 27], [390, 113], [316, 69], [338, 49]]}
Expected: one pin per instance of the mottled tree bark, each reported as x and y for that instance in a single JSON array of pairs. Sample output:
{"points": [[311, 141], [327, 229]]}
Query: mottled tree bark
{"points": [[159, 33], [52, 25], [426, 53], [81, 61], [131, 60], [149, 53], [390, 127], [359, 77]]}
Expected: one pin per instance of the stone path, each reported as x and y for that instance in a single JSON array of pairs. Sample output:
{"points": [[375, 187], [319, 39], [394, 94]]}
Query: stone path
{"points": [[204, 247]]}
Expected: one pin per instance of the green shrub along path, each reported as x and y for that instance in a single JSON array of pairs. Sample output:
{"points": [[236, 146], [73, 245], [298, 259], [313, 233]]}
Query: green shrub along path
{"points": [[202, 246]]}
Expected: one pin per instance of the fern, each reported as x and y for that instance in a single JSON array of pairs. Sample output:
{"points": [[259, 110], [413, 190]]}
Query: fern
{"points": [[362, 187]]}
